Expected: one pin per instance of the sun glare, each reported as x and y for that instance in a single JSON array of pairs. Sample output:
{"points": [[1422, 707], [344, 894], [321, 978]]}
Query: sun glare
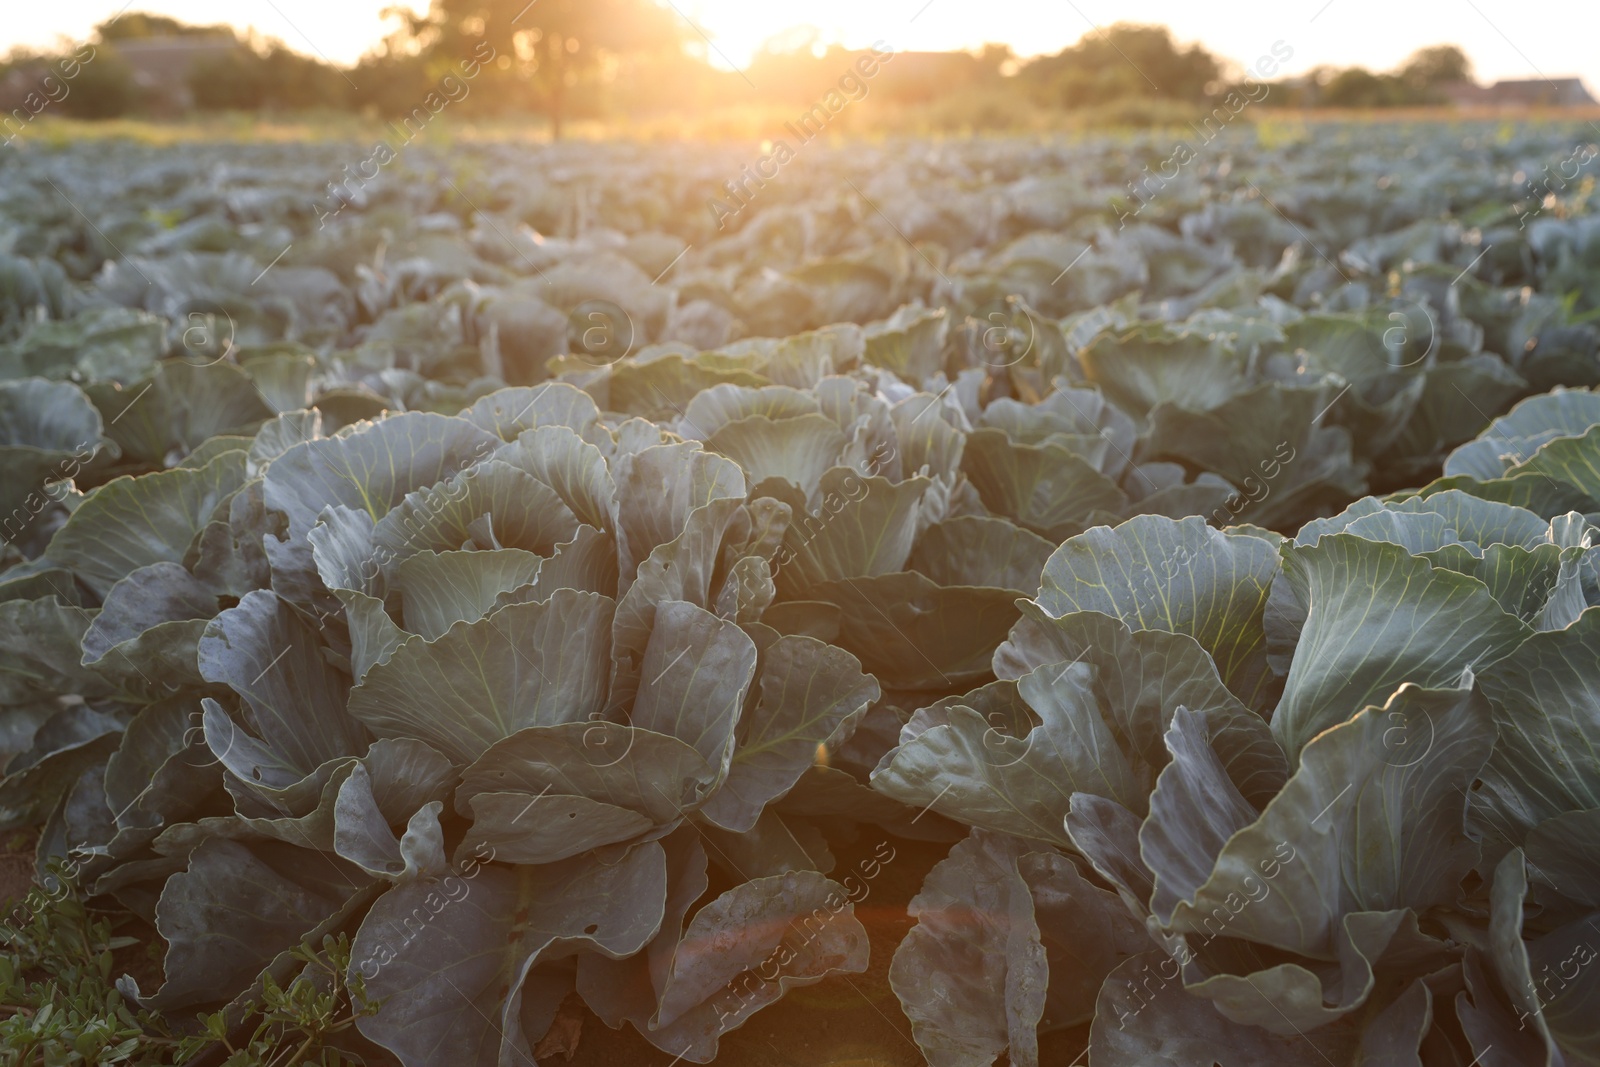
{"points": [[738, 29]]}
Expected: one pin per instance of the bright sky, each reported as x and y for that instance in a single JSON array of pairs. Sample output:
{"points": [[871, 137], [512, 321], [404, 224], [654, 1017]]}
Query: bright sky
{"points": [[1505, 38]]}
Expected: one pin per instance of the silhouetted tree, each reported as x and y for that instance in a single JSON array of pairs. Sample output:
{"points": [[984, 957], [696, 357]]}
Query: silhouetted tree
{"points": [[1123, 61], [550, 46], [1429, 68], [105, 87], [139, 25], [271, 77]]}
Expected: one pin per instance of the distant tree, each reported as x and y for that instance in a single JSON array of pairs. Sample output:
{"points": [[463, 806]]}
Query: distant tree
{"points": [[1123, 61], [105, 87], [139, 25], [271, 76], [1429, 68], [1358, 87], [233, 82], [550, 46]]}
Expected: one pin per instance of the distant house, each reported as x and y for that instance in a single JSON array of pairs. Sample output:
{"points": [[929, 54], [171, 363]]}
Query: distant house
{"points": [[1519, 93], [161, 66]]}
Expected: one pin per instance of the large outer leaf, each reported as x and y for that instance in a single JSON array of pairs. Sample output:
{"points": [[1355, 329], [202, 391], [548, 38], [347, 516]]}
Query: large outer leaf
{"points": [[744, 949], [562, 826], [658, 488], [1380, 616], [1143, 367], [1555, 1010], [1454, 398], [1086, 931], [41, 653], [621, 766], [1564, 854], [866, 526], [69, 742], [722, 404], [372, 468], [237, 907], [1572, 460], [972, 974], [507, 413], [1047, 487], [1461, 518], [522, 512], [1268, 443], [1570, 1002], [931, 446], [179, 406], [629, 989], [133, 522], [440, 589], [974, 550], [1365, 825], [571, 466], [799, 450], [1515, 436], [811, 697], [150, 596], [48, 431], [1140, 678], [1157, 574], [914, 634], [1145, 1017], [270, 656], [159, 760], [694, 676], [681, 569], [47, 416], [1546, 699], [1194, 810], [447, 955], [526, 665]]}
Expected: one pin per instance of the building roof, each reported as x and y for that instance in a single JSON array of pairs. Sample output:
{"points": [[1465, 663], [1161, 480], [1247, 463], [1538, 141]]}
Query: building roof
{"points": [[1522, 92]]}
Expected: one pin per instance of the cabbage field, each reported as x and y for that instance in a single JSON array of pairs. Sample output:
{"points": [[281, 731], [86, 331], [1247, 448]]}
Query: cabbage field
{"points": [[949, 602]]}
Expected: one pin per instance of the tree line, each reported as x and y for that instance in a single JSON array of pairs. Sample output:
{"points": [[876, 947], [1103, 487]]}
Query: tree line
{"points": [[600, 59]]}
